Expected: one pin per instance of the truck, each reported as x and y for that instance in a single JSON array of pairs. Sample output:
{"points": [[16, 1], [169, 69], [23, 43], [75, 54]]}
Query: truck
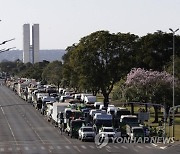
{"points": [[135, 131], [75, 125], [57, 107], [118, 113], [101, 120], [127, 120]]}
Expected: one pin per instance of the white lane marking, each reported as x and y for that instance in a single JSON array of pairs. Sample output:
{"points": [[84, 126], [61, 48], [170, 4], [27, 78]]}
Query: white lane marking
{"points": [[36, 133], [67, 147], [108, 150], [26, 148], [135, 150], [92, 147], [51, 147], [43, 148], [148, 147], [116, 147], [75, 147], [18, 149], [34, 148], [163, 147], [140, 147], [154, 144], [58, 147], [9, 126], [66, 138], [10, 149], [82, 146], [1, 149], [123, 146]]}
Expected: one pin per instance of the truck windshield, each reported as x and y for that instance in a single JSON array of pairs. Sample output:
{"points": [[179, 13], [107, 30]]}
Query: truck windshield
{"points": [[87, 130], [130, 120], [106, 123], [108, 130], [138, 131]]}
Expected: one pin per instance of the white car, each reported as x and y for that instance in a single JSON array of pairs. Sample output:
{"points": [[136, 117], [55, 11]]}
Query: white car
{"points": [[107, 132], [86, 133]]}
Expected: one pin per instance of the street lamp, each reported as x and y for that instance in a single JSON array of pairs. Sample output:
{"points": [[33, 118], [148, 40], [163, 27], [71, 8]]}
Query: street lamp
{"points": [[173, 32], [4, 42]]}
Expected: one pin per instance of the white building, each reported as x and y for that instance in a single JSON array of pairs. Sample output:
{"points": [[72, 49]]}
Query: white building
{"points": [[35, 43], [26, 43], [30, 52]]}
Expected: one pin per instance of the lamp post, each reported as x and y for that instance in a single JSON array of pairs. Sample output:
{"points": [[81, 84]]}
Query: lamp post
{"points": [[173, 32]]}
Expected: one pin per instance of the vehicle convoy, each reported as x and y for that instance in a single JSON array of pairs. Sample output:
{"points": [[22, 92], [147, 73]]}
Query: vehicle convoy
{"points": [[86, 133], [79, 115]]}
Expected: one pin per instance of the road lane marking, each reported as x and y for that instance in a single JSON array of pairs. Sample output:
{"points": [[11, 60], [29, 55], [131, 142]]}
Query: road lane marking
{"points": [[58, 147], [163, 147], [51, 147], [75, 147], [123, 146], [92, 147], [135, 150], [148, 147], [2, 149], [18, 149], [42, 148], [82, 146], [34, 148], [108, 150], [10, 149], [67, 147], [26, 148], [9, 126], [116, 147], [108, 147], [140, 147]]}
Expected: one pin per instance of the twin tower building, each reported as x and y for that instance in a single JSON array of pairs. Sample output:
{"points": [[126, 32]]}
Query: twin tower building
{"points": [[30, 49]]}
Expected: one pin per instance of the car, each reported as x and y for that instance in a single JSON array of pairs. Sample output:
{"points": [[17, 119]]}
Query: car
{"points": [[86, 133], [107, 132]]}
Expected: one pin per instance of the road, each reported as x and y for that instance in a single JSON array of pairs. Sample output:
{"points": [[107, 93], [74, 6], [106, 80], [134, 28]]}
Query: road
{"points": [[23, 130]]}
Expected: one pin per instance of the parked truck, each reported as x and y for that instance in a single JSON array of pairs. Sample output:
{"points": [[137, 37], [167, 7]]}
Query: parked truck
{"points": [[101, 120], [135, 131], [57, 107]]}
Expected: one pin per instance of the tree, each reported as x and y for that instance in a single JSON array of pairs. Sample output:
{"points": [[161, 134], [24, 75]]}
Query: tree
{"points": [[52, 73], [155, 50], [101, 59], [152, 86]]}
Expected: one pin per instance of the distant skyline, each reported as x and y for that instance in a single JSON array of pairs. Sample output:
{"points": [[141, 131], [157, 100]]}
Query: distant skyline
{"points": [[64, 22]]}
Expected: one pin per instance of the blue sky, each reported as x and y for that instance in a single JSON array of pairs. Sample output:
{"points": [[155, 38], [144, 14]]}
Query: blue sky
{"points": [[64, 22]]}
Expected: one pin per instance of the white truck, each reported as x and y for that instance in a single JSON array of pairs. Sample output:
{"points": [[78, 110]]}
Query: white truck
{"points": [[89, 99], [57, 107], [135, 131], [100, 120]]}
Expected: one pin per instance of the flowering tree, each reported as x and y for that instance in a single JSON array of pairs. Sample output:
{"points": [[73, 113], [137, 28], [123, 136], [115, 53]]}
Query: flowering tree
{"points": [[150, 86]]}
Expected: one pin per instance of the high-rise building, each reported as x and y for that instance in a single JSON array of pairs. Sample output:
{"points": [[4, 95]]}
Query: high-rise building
{"points": [[30, 52], [26, 43], [35, 43]]}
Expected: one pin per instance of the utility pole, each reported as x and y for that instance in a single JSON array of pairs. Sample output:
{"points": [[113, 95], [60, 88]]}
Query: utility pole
{"points": [[173, 32]]}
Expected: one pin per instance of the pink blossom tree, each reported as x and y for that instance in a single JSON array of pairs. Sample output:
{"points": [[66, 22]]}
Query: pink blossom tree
{"points": [[150, 86]]}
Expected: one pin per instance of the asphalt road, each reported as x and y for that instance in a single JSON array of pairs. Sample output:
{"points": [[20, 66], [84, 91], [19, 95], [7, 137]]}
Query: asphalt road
{"points": [[24, 130]]}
